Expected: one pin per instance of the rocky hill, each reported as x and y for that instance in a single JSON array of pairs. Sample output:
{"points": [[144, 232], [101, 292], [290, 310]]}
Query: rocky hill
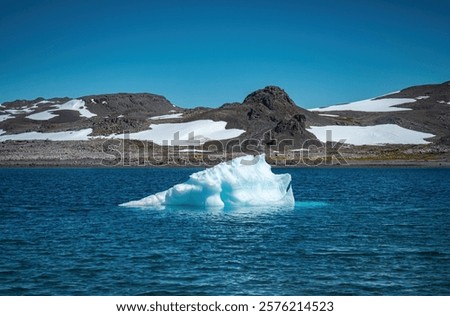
{"points": [[269, 110], [425, 108], [109, 113], [412, 124]]}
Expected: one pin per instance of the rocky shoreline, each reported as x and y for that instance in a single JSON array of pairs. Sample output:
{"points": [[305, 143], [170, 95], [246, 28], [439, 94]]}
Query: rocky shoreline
{"points": [[117, 154]]}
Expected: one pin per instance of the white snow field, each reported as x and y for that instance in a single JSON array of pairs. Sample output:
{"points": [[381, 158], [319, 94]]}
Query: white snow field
{"points": [[5, 117], [56, 136], [243, 181], [72, 105], [167, 116], [182, 134], [43, 102], [371, 135], [185, 134], [22, 110], [370, 105], [329, 115], [42, 116]]}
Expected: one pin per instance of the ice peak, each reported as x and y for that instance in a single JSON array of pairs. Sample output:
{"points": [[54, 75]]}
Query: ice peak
{"points": [[272, 97], [243, 181]]}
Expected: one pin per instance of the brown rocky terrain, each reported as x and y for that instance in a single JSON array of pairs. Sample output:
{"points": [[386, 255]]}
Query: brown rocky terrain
{"points": [[268, 118]]}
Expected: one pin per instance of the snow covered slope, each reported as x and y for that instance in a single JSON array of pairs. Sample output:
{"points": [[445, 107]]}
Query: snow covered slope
{"points": [[72, 105], [5, 117], [56, 136], [167, 116], [187, 133], [370, 105], [370, 135]]}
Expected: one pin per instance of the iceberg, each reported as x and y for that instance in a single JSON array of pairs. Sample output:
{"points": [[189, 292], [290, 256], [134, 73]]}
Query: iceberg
{"points": [[243, 181]]}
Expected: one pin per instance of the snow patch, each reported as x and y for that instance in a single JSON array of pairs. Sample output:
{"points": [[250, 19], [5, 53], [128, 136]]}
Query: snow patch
{"points": [[244, 181], [370, 135], [192, 133], [329, 115], [5, 117], [42, 116], [423, 97], [93, 101], [56, 136], [76, 105], [72, 105], [370, 105], [167, 116], [42, 102], [20, 111]]}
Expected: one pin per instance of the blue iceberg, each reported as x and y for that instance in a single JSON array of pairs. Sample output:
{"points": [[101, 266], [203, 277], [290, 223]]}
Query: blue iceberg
{"points": [[243, 181]]}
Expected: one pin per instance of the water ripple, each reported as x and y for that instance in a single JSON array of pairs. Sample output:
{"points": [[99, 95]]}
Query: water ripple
{"points": [[352, 232]]}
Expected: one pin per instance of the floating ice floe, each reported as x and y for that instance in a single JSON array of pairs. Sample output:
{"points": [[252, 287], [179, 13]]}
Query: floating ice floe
{"points": [[370, 135], [243, 181]]}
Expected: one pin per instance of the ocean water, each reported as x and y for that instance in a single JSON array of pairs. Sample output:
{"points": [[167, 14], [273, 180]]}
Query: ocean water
{"points": [[354, 231]]}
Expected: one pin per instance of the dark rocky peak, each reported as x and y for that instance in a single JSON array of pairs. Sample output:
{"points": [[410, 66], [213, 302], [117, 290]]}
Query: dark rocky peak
{"points": [[271, 97]]}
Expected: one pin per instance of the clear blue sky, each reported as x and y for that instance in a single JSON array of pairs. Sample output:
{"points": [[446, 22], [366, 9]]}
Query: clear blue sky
{"points": [[211, 52]]}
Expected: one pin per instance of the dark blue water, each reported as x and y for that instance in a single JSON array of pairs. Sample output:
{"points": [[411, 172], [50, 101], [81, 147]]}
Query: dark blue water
{"points": [[353, 232]]}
